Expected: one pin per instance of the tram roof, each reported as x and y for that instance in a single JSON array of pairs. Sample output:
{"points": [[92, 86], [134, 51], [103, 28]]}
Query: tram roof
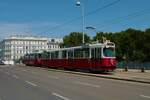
{"points": [[84, 46]]}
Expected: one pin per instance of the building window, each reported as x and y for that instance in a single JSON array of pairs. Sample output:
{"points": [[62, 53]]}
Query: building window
{"points": [[52, 40]]}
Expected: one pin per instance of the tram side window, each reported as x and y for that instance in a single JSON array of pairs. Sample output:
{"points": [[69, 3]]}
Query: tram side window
{"points": [[81, 53], [96, 53], [64, 54], [32, 56], [93, 53], [78, 53], [54, 55], [37, 56], [70, 54], [44, 55], [26, 57], [86, 53], [47, 55]]}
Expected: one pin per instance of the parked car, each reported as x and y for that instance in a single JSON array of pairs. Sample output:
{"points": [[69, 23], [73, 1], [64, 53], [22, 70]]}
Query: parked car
{"points": [[1, 63]]}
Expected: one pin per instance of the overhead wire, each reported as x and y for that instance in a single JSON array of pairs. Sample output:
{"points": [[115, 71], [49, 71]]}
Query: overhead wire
{"points": [[88, 14], [121, 19]]}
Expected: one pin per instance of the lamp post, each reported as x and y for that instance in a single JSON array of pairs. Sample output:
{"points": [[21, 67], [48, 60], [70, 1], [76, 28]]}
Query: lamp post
{"points": [[79, 4], [92, 28]]}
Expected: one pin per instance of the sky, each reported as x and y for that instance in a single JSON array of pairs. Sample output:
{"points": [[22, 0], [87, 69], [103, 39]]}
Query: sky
{"points": [[57, 18]]}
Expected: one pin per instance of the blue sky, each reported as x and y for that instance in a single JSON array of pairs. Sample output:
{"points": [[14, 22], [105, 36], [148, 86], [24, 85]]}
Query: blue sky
{"points": [[39, 17]]}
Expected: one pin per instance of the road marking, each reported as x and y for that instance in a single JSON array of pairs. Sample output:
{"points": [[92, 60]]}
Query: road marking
{"points": [[31, 83], [0, 98], [144, 96], [60, 96], [87, 84], [7, 73], [15, 76], [34, 72], [53, 77], [24, 70]]}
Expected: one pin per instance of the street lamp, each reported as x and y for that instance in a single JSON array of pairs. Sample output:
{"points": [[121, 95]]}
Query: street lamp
{"points": [[79, 4], [92, 28]]}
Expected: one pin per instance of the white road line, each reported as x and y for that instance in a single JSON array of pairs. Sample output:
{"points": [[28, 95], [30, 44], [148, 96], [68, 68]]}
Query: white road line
{"points": [[15, 76], [24, 70], [53, 77], [87, 84], [60, 96], [7, 73], [31, 83], [34, 72], [144, 96]]}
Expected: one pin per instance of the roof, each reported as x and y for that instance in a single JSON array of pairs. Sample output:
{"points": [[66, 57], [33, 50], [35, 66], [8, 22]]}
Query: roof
{"points": [[111, 44]]}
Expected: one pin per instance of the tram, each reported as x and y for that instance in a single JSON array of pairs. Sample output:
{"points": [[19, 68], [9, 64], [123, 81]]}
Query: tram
{"points": [[92, 57]]}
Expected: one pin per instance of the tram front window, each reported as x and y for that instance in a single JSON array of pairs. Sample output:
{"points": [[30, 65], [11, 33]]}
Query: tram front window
{"points": [[109, 52]]}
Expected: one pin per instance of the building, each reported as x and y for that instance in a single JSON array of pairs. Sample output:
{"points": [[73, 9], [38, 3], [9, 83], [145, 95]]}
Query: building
{"points": [[14, 47]]}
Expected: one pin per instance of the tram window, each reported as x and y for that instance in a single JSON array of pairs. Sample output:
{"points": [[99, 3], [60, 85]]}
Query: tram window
{"points": [[93, 53], [47, 55], [81, 53], [35, 56], [96, 53], [27, 57], [70, 54], [40, 55], [44, 55], [78, 53], [85, 52], [32, 56], [64, 54], [56, 54], [52, 55], [109, 52]]}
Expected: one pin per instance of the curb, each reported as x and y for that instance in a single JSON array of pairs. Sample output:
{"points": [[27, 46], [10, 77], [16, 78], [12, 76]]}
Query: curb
{"points": [[114, 78], [93, 75]]}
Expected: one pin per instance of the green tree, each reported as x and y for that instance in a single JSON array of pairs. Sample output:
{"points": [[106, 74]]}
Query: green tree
{"points": [[75, 39]]}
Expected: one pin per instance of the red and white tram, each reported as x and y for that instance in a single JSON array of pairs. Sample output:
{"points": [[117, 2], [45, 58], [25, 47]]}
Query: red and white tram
{"points": [[93, 57]]}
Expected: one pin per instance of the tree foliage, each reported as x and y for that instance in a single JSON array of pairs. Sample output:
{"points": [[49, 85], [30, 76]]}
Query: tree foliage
{"points": [[75, 39]]}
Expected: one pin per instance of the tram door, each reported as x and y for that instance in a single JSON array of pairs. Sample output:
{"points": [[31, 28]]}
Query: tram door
{"points": [[95, 57], [70, 58]]}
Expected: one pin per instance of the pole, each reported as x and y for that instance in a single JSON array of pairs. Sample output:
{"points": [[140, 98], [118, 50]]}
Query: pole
{"points": [[83, 18], [83, 23]]}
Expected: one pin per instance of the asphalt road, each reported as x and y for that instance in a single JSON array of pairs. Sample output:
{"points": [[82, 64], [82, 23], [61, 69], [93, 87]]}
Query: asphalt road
{"points": [[32, 83]]}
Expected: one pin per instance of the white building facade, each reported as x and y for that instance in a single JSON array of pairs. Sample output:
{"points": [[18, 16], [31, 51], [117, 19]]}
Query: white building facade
{"points": [[13, 48]]}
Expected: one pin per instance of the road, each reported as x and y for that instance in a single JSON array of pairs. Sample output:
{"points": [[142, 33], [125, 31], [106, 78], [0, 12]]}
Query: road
{"points": [[32, 83]]}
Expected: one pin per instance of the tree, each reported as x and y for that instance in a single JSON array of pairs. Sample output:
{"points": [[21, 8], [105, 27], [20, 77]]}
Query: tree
{"points": [[75, 39]]}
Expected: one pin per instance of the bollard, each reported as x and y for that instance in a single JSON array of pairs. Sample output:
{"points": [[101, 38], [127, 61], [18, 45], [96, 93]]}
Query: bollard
{"points": [[126, 69], [142, 70]]}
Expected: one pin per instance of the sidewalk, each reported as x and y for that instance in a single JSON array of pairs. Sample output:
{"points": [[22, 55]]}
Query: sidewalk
{"points": [[133, 75]]}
